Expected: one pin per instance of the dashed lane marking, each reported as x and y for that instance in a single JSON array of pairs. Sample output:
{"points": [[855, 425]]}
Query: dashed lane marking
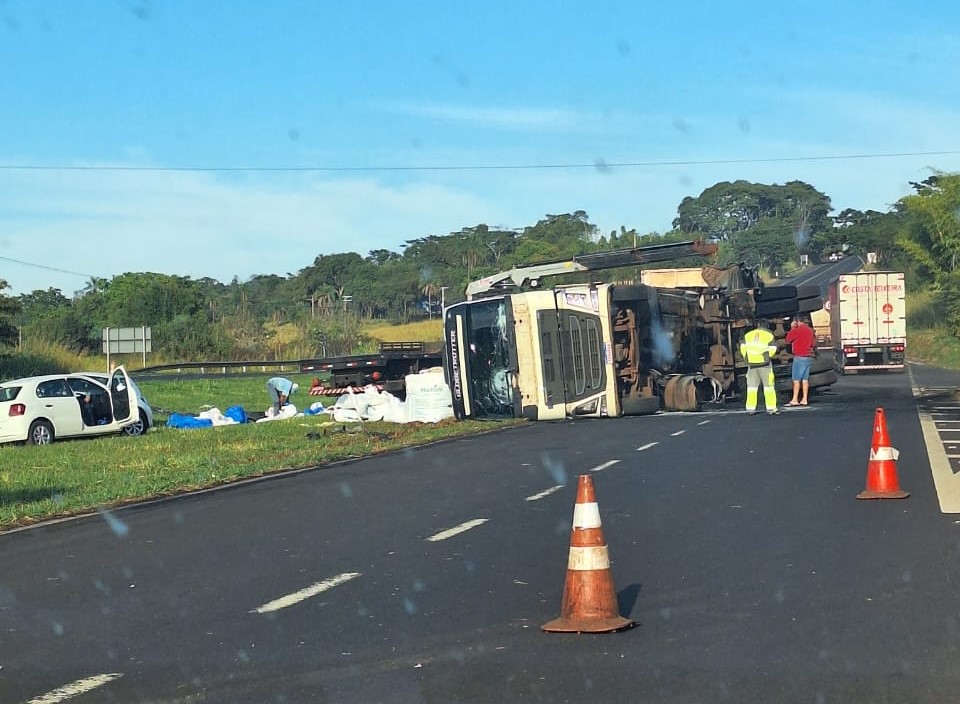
{"points": [[647, 446], [304, 594], [457, 530], [75, 689], [679, 432], [542, 494], [601, 467]]}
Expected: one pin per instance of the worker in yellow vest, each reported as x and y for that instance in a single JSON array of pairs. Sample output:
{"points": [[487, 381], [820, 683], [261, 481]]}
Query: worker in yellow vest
{"points": [[758, 348]]}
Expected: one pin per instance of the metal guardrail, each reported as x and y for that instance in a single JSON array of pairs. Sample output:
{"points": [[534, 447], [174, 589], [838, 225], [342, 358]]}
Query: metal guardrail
{"points": [[246, 367]]}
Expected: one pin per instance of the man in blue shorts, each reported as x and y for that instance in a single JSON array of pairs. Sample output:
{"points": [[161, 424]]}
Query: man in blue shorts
{"points": [[803, 345]]}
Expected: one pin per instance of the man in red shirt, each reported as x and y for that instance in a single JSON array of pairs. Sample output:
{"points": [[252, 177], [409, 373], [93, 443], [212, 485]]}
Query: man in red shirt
{"points": [[804, 345]]}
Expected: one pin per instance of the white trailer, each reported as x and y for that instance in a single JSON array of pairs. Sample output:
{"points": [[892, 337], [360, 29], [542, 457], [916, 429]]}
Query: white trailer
{"points": [[868, 321]]}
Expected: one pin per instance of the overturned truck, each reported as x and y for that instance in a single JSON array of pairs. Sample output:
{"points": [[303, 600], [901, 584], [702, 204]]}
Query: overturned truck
{"points": [[514, 348]]}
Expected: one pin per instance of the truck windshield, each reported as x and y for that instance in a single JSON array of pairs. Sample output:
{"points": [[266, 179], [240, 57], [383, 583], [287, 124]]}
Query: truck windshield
{"points": [[482, 359]]}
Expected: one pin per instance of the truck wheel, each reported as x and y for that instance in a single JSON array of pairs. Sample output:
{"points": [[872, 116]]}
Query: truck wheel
{"points": [[774, 309], [776, 293], [643, 406], [822, 380], [808, 291], [808, 305]]}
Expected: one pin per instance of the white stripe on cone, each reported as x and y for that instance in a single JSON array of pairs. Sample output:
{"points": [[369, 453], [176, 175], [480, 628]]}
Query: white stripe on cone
{"points": [[584, 559], [586, 516], [884, 453]]}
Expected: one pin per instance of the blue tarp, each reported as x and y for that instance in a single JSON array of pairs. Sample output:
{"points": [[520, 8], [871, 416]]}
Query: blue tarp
{"points": [[180, 420], [236, 413]]}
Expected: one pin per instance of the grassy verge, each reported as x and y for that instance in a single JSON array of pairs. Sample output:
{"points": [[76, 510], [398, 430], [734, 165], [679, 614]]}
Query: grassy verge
{"points": [[80, 476]]}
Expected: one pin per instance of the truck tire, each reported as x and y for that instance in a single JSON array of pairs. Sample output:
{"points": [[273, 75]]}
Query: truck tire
{"points": [[808, 291], [642, 406], [774, 309], [808, 305], [776, 293], [822, 379]]}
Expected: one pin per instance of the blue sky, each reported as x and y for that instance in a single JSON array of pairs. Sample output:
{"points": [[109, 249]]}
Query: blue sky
{"points": [[231, 138]]}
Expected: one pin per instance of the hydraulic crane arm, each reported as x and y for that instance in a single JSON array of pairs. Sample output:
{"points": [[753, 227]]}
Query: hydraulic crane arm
{"points": [[531, 274]]}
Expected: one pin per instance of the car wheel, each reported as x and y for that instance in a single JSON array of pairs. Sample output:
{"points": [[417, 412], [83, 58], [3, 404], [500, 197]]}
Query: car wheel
{"points": [[138, 428], [41, 433]]}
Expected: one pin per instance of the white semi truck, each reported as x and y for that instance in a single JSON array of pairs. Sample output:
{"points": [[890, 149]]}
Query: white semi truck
{"points": [[868, 321]]}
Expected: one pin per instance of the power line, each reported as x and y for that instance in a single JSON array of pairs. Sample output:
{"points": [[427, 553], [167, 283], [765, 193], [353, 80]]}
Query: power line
{"points": [[599, 164], [48, 268]]}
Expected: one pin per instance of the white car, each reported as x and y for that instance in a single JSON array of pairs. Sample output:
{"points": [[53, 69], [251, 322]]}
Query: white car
{"points": [[39, 409]]}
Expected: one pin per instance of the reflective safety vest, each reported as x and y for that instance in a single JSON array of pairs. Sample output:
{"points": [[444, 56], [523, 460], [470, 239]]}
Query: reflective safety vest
{"points": [[758, 347]]}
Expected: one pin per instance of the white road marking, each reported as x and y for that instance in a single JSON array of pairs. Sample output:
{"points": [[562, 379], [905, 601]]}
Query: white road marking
{"points": [[945, 481], [75, 689], [601, 467], [456, 530], [703, 422], [647, 446], [679, 432], [304, 594], [551, 490]]}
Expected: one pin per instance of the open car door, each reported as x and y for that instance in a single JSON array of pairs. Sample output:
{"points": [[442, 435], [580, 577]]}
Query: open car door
{"points": [[123, 398]]}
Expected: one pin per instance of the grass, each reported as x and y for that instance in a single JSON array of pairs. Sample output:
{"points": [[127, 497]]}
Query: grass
{"points": [[422, 331], [80, 476]]}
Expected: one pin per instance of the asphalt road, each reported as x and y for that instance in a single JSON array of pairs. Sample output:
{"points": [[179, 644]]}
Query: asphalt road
{"points": [[737, 543], [822, 274]]}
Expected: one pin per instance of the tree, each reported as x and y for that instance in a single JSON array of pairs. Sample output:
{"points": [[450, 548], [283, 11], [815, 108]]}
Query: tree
{"points": [[556, 237], [931, 238], [9, 310], [726, 211]]}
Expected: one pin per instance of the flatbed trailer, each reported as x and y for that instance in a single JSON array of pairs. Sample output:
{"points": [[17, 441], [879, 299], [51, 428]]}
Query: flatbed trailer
{"points": [[385, 369]]}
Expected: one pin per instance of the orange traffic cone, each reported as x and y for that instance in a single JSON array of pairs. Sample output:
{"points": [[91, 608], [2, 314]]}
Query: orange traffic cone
{"points": [[882, 480], [589, 598]]}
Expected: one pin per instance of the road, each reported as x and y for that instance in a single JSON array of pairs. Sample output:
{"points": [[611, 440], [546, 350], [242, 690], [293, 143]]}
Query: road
{"points": [[822, 274], [737, 545]]}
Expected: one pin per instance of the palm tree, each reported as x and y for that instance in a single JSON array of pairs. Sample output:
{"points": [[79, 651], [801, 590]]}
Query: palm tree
{"points": [[430, 289]]}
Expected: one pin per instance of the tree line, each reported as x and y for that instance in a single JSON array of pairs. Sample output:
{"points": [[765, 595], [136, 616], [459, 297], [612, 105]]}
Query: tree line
{"points": [[317, 310]]}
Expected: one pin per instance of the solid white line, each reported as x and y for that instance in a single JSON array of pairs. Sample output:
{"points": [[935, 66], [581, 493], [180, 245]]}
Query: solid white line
{"points": [[456, 530], [679, 432], [647, 446], [601, 467], [944, 480], [75, 688], [549, 491], [304, 594]]}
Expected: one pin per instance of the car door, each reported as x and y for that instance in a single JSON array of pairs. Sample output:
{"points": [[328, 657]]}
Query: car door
{"points": [[93, 397], [59, 406], [123, 398]]}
